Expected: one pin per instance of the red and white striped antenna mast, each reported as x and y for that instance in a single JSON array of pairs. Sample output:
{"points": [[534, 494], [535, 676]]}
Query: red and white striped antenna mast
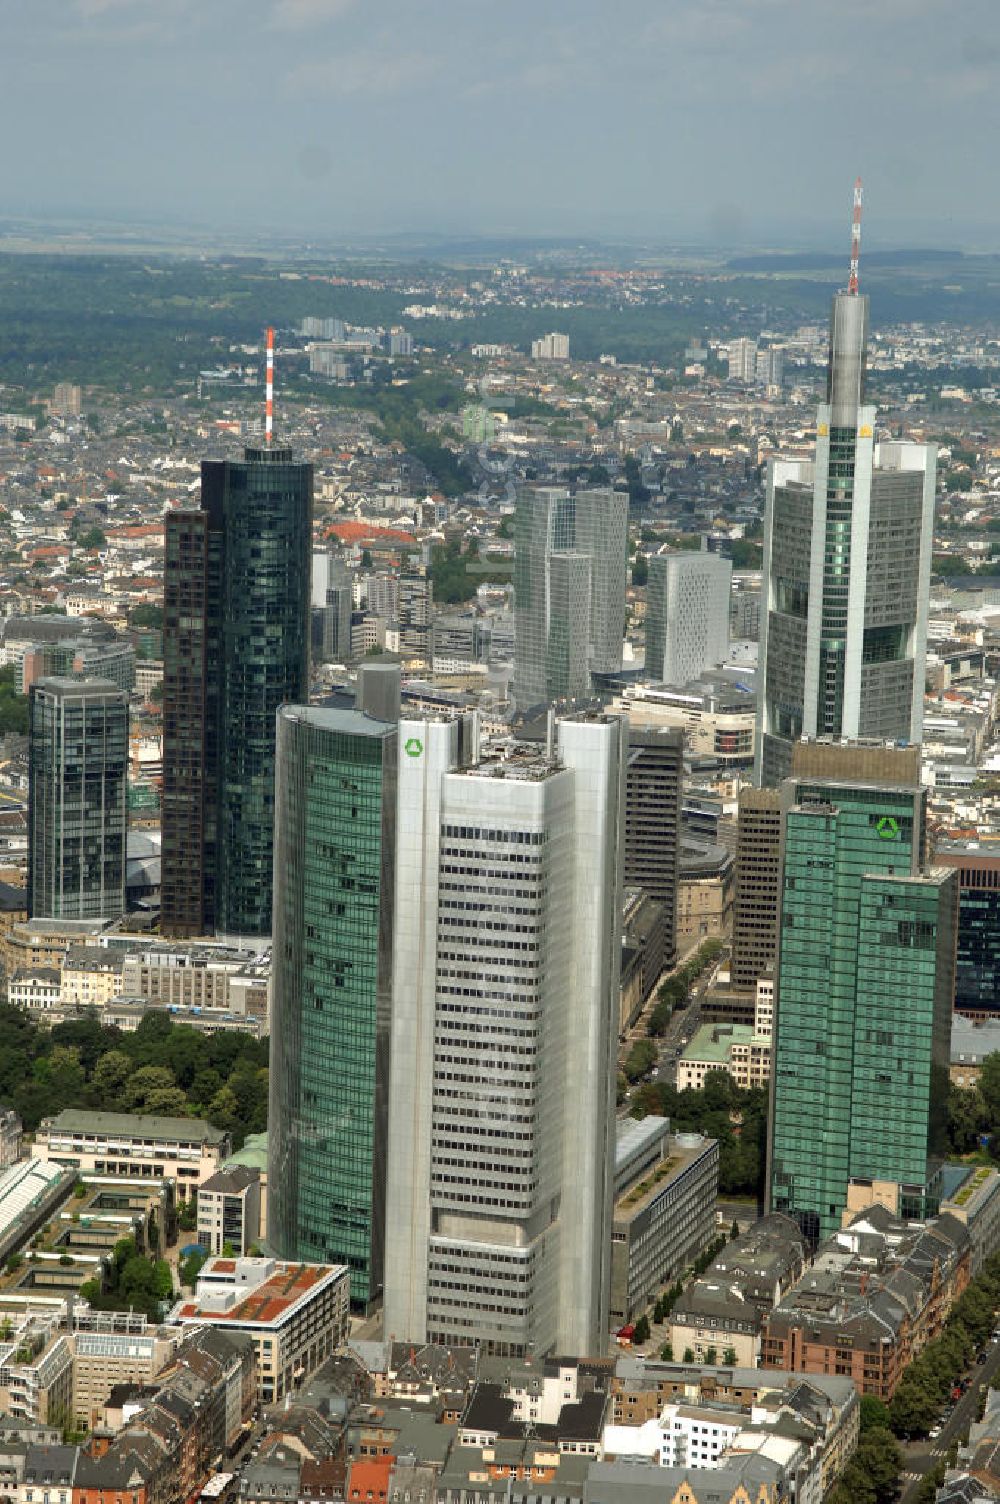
{"points": [[269, 389], [852, 281]]}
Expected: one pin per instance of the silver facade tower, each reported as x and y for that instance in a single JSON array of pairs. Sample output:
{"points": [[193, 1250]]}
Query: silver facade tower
{"points": [[505, 978], [847, 558], [570, 568]]}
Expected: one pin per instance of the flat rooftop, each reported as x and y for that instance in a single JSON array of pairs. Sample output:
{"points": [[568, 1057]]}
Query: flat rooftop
{"points": [[265, 1304], [77, 1120]]}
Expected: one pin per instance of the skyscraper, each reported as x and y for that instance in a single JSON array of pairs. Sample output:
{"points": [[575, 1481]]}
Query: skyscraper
{"points": [[332, 603], [758, 885], [334, 865], [601, 532], [78, 762], [569, 591], [505, 997], [846, 573], [653, 785], [236, 646], [687, 615], [866, 964]]}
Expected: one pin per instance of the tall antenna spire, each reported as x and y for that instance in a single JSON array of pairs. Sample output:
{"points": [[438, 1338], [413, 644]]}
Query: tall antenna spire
{"points": [[852, 281], [269, 389]]}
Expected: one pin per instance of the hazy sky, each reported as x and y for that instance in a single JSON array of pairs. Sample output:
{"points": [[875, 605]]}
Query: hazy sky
{"points": [[733, 120]]}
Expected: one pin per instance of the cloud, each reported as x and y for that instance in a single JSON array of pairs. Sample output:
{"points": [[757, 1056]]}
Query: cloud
{"points": [[297, 14], [365, 71]]}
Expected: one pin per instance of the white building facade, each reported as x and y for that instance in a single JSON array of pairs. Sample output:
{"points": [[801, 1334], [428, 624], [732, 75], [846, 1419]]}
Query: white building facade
{"points": [[507, 937]]}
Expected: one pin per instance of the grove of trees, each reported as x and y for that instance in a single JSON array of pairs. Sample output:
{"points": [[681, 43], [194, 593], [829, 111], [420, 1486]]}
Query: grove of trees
{"points": [[163, 1068]]}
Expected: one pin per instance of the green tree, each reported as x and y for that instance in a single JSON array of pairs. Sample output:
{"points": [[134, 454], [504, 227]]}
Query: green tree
{"points": [[111, 1073], [641, 1333], [729, 1357], [688, 1356], [873, 1414], [711, 1357], [666, 1353]]}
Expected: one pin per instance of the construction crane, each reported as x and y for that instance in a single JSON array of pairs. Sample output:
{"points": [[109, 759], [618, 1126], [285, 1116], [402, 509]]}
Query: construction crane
{"points": [[852, 281]]}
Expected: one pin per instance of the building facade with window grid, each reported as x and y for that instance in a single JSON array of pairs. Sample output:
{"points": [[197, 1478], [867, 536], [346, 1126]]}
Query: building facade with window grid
{"points": [[334, 889], [866, 955], [505, 980], [846, 572]]}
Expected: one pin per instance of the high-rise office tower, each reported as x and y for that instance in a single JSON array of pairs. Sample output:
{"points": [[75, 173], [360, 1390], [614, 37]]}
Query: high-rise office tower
{"points": [[78, 762], [846, 574], [416, 609], [758, 885], [601, 533], [332, 604], [742, 358], [865, 976], [653, 785], [977, 972], [504, 1020], [334, 863], [569, 591], [235, 647], [687, 615]]}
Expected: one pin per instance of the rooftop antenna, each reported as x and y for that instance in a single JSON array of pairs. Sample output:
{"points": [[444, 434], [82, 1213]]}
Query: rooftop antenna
{"points": [[269, 388], [852, 281]]}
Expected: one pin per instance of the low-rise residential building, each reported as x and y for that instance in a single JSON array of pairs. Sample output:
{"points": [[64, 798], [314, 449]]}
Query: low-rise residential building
{"points": [[229, 1211], [296, 1314], [185, 1150], [735, 1398], [666, 1187], [725, 1310], [38, 991], [876, 1293], [91, 976]]}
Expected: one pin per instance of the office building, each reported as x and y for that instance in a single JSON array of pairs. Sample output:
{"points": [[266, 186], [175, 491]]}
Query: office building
{"points": [[551, 591], [653, 817], [550, 347], [742, 358], [183, 1150], [687, 615], [229, 1211], [977, 970], [601, 532], [296, 1314], [334, 887], [78, 758], [505, 1019], [865, 979], [236, 646], [666, 1187], [770, 369], [416, 608], [758, 885], [569, 591], [846, 573], [332, 603]]}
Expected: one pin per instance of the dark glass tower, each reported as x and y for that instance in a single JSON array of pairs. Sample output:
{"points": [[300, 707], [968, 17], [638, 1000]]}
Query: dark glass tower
{"points": [[236, 647], [78, 759], [334, 887]]}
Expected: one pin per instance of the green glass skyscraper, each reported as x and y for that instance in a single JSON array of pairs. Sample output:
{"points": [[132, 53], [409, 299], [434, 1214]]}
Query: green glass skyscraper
{"points": [[334, 889], [236, 646], [865, 976]]}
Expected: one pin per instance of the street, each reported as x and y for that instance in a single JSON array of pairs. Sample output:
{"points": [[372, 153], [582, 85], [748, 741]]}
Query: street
{"points": [[921, 1456]]}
